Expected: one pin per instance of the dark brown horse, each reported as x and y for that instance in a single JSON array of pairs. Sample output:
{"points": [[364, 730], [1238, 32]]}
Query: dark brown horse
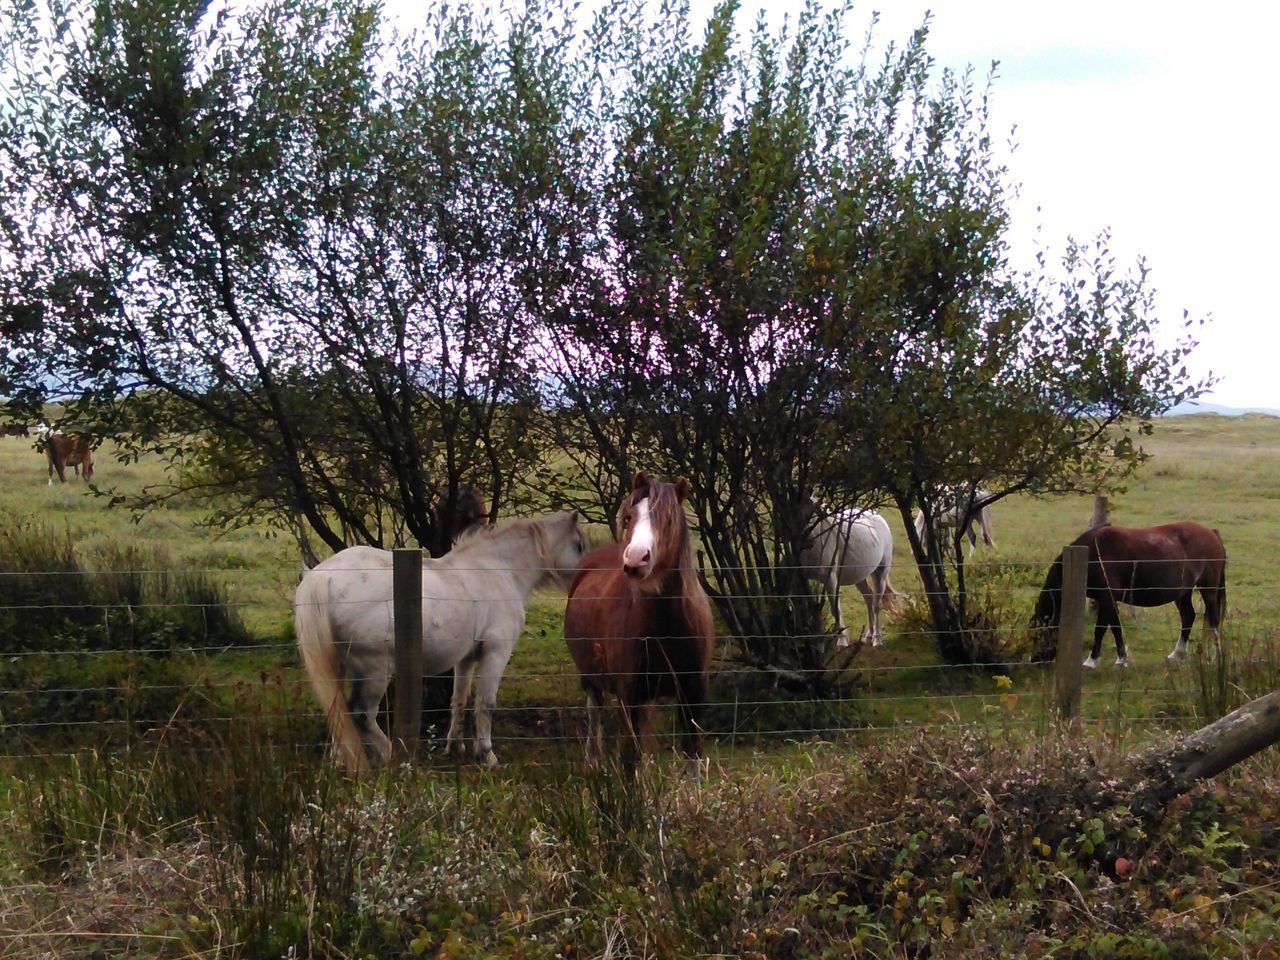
{"points": [[638, 623], [1143, 567], [469, 511]]}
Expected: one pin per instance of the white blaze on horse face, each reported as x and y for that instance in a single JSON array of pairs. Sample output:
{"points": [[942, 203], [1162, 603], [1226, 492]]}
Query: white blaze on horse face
{"points": [[637, 555]]}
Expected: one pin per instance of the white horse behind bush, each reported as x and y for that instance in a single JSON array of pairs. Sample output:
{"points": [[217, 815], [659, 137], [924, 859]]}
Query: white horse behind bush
{"points": [[473, 603], [851, 547], [953, 505]]}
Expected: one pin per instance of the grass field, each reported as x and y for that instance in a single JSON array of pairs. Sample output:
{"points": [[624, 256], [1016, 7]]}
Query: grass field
{"points": [[1219, 470], [937, 823]]}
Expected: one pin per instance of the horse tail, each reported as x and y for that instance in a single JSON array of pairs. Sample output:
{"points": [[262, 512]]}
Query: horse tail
{"points": [[891, 598], [324, 666], [1222, 583], [55, 461]]}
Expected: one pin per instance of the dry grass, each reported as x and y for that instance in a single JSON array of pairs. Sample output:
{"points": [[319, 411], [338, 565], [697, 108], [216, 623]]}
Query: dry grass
{"points": [[928, 839]]}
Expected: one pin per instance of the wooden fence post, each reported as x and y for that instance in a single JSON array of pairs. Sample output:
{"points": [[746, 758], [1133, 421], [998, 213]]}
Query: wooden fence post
{"points": [[406, 606], [1067, 666], [1099, 512]]}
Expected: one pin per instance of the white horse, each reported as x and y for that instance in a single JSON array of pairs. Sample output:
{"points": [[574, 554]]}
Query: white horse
{"points": [[851, 547], [953, 505], [472, 613]]}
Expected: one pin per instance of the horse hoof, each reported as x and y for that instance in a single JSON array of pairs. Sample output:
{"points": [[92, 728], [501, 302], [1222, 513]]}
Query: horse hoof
{"points": [[1122, 661], [876, 641], [489, 759], [1177, 655], [1090, 663]]}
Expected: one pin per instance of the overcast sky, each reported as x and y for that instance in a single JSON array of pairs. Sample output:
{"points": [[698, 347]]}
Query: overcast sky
{"points": [[1156, 120]]}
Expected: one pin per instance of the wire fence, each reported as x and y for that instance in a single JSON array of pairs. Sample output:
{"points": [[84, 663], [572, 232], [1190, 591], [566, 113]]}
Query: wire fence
{"points": [[88, 671]]}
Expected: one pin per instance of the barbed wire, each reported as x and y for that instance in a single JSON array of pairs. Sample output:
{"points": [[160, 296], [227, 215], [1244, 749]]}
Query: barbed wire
{"points": [[286, 679]]}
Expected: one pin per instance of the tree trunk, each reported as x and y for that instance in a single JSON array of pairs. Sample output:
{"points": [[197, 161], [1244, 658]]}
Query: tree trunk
{"points": [[1170, 771]]}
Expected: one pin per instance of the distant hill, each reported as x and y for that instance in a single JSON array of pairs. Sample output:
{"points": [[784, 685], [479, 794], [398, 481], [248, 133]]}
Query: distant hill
{"points": [[1196, 406]]}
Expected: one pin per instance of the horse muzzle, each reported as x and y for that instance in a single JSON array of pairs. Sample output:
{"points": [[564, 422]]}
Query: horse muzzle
{"points": [[637, 571]]}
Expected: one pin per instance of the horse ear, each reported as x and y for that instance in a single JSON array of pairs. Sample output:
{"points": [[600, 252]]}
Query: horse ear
{"points": [[640, 481], [682, 489]]}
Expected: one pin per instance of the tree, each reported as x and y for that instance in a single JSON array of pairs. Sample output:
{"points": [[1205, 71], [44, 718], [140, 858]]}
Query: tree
{"points": [[275, 248], [337, 274], [804, 291]]}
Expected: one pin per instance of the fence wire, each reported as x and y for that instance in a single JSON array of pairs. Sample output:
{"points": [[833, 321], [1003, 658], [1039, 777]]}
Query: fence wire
{"points": [[45, 712]]}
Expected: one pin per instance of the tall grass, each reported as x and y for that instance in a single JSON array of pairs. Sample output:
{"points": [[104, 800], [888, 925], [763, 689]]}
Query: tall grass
{"points": [[52, 597], [966, 846], [1228, 675]]}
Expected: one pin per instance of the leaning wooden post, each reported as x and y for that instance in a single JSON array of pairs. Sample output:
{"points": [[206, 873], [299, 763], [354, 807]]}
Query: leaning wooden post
{"points": [[1067, 667], [1099, 512], [406, 606]]}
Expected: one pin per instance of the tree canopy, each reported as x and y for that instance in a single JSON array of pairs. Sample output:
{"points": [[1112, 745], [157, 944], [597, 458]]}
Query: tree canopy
{"points": [[338, 273]]}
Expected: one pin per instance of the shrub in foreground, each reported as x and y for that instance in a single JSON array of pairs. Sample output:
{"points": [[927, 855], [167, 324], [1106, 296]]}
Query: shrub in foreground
{"points": [[904, 847]]}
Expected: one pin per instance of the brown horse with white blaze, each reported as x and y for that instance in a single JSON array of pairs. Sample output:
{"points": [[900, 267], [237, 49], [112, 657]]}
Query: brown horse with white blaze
{"points": [[1143, 567], [638, 623]]}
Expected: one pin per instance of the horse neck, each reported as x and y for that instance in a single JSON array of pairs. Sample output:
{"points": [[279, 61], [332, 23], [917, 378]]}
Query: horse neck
{"points": [[510, 549]]}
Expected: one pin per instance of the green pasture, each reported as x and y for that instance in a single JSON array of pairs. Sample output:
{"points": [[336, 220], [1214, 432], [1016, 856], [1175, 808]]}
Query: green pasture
{"points": [[1218, 470], [227, 835]]}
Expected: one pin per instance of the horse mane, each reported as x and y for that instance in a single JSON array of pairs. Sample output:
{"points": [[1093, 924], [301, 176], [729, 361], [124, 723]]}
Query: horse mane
{"points": [[1048, 611], [478, 537], [665, 502], [482, 533]]}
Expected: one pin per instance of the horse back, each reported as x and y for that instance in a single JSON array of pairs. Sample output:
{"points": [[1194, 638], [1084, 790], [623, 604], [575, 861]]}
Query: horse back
{"points": [[1150, 566], [856, 543]]}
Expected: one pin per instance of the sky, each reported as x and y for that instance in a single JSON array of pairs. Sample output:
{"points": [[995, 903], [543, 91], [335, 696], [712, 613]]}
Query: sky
{"points": [[1155, 121]]}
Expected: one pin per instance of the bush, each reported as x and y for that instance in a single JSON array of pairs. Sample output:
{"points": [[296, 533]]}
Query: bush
{"points": [[996, 621], [911, 847], [126, 599]]}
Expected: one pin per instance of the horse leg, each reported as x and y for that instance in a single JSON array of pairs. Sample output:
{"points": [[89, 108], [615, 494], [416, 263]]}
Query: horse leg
{"points": [[493, 662], [984, 519], [832, 583], [366, 695], [1187, 614], [869, 589], [692, 699], [595, 728], [1215, 603], [636, 717], [1107, 608], [463, 673], [1102, 620]]}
